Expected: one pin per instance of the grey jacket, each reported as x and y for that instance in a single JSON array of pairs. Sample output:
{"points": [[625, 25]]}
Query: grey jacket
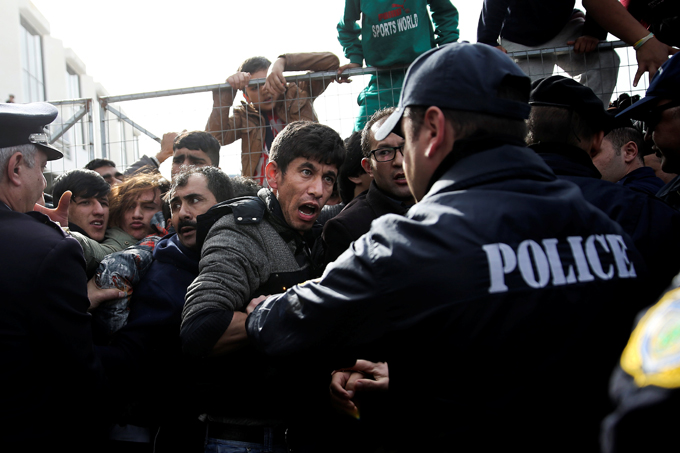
{"points": [[248, 251]]}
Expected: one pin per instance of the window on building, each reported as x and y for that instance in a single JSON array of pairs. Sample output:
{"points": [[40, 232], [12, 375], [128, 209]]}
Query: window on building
{"points": [[72, 83], [74, 137], [32, 64]]}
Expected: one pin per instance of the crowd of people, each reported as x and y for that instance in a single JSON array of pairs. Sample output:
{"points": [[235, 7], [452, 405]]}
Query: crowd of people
{"points": [[462, 273]]}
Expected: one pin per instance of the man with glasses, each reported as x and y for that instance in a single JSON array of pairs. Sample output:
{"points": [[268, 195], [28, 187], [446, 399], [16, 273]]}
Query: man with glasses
{"points": [[388, 193], [660, 110]]}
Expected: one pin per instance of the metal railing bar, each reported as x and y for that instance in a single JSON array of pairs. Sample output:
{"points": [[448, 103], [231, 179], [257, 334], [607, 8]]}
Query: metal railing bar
{"points": [[68, 124], [125, 118]]}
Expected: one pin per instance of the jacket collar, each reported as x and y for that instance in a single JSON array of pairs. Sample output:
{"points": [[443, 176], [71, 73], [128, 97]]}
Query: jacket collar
{"points": [[567, 160], [486, 161], [383, 203], [170, 250], [279, 223]]}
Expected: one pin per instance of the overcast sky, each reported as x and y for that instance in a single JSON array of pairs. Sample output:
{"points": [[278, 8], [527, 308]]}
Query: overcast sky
{"points": [[132, 46]]}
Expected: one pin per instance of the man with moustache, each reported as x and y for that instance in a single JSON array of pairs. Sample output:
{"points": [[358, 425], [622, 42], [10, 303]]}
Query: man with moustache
{"points": [[144, 357], [388, 193]]}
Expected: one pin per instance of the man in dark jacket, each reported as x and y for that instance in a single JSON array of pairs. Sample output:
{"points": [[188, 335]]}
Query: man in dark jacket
{"points": [[496, 280], [620, 160], [144, 358], [567, 126], [51, 376], [660, 110], [254, 246], [387, 194]]}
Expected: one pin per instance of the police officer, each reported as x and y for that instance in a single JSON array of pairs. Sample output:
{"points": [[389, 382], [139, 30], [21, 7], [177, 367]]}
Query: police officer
{"points": [[489, 296], [51, 378]]}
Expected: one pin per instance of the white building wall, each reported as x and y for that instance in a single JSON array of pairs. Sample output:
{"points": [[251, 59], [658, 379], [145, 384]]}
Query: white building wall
{"points": [[55, 58]]}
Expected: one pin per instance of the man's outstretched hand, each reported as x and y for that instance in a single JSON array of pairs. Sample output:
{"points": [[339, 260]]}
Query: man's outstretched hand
{"points": [[60, 213]]}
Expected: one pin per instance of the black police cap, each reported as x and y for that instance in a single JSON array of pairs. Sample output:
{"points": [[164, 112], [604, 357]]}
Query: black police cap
{"points": [[22, 124]]}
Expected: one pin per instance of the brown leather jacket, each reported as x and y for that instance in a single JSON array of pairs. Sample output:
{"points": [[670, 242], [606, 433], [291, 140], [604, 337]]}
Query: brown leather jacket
{"points": [[246, 122]]}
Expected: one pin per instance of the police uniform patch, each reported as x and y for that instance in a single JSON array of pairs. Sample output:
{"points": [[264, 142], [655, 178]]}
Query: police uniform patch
{"points": [[652, 355]]}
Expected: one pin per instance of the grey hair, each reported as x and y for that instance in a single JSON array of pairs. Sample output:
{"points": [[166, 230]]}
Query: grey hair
{"points": [[28, 150]]}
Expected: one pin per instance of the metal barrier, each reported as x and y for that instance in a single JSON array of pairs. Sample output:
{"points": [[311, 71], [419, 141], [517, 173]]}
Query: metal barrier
{"points": [[72, 133], [189, 108]]}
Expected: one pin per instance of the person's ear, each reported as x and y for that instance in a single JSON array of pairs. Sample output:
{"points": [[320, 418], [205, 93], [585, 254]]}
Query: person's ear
{"points": [[273, 174], [366, 165], [440, 135], [15, 167], [630, 152], [596, 145]]}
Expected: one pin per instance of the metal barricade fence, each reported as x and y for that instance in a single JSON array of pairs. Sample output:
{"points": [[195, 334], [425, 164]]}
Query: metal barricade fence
{"points": [[72, 133], [123, 135]]}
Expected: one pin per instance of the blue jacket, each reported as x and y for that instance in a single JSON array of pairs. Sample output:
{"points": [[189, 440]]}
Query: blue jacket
{"points": [[484, 300], [652, 224], [643, 180], [144, 357], [51, 379]]}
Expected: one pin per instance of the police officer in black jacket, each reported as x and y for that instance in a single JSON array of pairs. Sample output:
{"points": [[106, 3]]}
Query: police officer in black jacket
{"points": [[50, 377], [495, 301], [566, 127]]}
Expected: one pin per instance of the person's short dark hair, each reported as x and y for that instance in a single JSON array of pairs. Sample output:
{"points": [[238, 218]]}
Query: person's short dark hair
{"points": [[219, 184], [310, 140], [558, 125], [622, 135], [351, 167], [254, 64], [82, 183], [98, 163], [199, 141], [244, 186], [366, 135]]}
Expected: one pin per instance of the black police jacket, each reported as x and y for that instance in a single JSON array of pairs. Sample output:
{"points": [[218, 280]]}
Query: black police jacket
{"points": [[651, 223], [485, 300]]}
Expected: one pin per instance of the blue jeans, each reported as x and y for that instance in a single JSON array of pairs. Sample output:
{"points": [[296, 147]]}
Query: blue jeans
{"points": [[234, 446]]}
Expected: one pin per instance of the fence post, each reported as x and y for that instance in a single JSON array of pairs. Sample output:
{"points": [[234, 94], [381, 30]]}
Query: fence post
{"points": [[102, 119]]}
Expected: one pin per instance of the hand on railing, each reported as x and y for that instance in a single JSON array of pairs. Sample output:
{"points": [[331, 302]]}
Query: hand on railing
{"points": [[239, 80], [276, 82], [345, 79], [584, 44]]}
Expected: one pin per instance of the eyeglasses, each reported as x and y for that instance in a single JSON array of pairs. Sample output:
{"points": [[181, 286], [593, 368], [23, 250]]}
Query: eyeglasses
{"points": [[654, 116], [387, 153]]}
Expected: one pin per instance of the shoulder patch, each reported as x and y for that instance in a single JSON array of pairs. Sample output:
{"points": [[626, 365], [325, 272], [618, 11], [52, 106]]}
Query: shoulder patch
{"points": [[652, 355]]}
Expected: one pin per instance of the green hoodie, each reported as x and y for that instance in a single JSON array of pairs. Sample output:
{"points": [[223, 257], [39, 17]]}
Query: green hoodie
{"points": [[395, 34]]}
